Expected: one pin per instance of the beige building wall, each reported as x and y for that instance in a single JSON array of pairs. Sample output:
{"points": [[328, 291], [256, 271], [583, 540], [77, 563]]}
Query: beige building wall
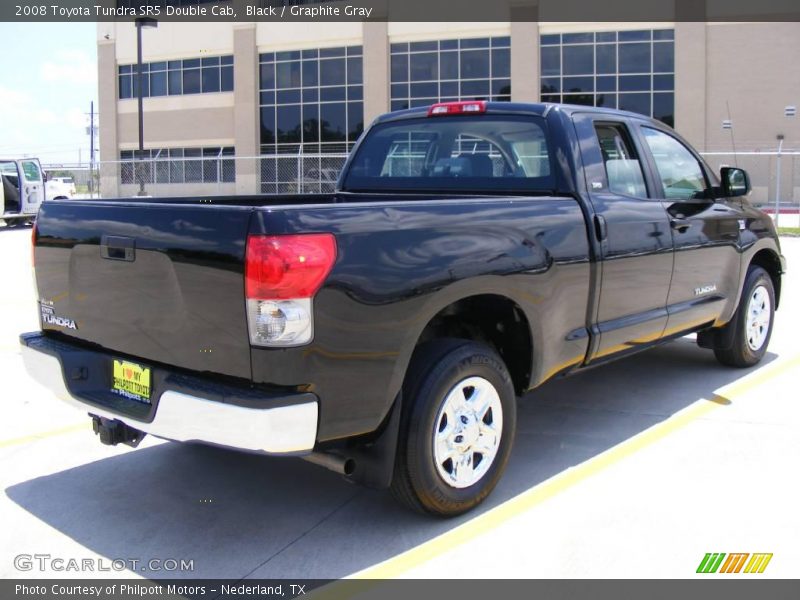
{"points": [[690, 82], [245, 113], [752, 73], [525, 61], [376, 70], [169, 40], [108, 143]]}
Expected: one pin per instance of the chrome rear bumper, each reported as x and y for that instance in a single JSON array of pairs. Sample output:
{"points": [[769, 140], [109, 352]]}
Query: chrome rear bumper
{"points": [[273, 424]]}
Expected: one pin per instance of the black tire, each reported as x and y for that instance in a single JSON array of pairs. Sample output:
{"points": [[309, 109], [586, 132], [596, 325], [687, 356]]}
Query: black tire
{"points": [[436, 368], [734, 346]]}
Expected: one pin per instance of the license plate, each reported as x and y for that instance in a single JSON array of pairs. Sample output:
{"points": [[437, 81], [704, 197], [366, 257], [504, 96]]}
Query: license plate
{"points": [[131, 380]]}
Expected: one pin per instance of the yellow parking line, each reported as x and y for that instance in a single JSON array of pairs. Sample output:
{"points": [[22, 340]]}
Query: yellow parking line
{"points": [[43, 435], [489, 520]]}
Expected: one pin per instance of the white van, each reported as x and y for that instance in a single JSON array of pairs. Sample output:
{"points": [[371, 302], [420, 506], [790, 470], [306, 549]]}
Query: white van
{"points": [[22, 189]]}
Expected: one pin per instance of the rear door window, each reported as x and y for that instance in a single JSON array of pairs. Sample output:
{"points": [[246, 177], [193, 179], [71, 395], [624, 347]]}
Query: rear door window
{"points": [[459, 153], [623, 168]]}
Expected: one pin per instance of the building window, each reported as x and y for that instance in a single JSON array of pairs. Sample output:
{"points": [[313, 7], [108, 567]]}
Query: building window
{"points": [[205, 75], [311, 100], [423, 73], [179, 165], [629, 70]]}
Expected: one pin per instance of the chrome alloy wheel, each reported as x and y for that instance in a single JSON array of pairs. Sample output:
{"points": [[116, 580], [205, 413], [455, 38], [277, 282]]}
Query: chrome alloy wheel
{"points": [[467, 432], [758, 317]]}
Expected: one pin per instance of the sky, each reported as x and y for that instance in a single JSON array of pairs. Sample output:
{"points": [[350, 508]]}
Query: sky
{"points": [[49, 77]]}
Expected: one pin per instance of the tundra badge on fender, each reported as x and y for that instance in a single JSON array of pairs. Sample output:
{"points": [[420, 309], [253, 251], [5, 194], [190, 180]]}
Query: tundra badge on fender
{"points": [[706, 289]]}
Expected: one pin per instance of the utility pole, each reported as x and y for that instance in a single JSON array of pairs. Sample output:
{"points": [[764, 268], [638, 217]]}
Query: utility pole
{"points": [[778, 180], [788, 111]]}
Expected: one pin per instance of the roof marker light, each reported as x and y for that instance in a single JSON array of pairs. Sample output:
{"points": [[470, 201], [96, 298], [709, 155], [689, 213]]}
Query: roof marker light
{"points": [[457, 108]]}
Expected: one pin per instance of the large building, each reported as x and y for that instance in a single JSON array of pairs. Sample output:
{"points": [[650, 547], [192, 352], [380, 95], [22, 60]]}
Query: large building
{"points": [[215, 91]]}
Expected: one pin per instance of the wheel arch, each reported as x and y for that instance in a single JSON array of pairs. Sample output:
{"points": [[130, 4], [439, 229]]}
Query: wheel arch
{"points": [[472, 317], [767, 259], [491, 318]]}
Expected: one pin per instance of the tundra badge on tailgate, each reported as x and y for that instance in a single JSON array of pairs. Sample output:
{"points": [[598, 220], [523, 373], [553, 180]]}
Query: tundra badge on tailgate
{"points": [[50, 317]]}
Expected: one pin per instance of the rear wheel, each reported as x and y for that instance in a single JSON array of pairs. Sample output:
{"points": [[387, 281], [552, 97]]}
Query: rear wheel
{"points": [[457, 428], [744, 340]]}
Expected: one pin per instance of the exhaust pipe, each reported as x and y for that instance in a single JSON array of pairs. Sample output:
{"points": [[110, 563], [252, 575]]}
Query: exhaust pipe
{"points": [[333, 462]]}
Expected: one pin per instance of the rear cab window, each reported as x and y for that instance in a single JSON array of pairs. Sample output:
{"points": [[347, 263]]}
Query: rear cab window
{"points": [[480, 153]]}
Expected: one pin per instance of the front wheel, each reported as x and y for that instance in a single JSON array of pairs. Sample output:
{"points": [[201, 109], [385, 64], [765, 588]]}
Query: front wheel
{"points": [[458, 427], [746, 337]]}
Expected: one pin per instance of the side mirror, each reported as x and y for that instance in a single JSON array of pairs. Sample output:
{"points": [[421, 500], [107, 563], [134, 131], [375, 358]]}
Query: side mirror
{"points": [[735, 182], [44, 176]]}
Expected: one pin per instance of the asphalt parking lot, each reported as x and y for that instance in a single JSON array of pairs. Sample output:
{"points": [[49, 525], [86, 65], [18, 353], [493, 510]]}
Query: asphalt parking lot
{"points": [[635, 469]]}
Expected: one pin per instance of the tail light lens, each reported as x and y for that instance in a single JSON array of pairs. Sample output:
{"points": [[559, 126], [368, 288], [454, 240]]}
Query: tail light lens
{"points": [[282, 275]]}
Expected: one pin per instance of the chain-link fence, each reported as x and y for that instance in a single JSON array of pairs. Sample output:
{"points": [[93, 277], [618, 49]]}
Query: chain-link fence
{"points": [[299, 174], [84, 179], [222, 174]]}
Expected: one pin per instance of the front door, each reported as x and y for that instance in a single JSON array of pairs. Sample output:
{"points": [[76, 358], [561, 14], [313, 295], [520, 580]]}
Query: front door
{"points": [[33, 186], [635, 241], [705, 233]]}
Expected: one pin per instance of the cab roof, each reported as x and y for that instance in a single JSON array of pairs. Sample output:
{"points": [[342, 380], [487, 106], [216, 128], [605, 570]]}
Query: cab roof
{"points": [[540, 109]]}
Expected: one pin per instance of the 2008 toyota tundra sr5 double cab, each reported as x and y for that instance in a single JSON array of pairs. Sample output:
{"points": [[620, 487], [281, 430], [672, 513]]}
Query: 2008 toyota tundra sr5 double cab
{"points": [[472, 251]]}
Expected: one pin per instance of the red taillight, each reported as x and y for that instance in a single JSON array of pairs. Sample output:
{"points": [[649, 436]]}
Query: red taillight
{"points": [[468, 107], [279, 267]]}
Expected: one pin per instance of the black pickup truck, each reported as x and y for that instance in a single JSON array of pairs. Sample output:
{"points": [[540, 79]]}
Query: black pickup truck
{"points": [[473, 250]]}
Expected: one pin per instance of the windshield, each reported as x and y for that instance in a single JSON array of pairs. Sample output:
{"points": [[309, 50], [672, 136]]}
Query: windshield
{"points": [[481, 153]]}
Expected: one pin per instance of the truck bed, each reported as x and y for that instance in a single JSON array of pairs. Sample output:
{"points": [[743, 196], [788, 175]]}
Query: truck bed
{"points": [[161, 280]]}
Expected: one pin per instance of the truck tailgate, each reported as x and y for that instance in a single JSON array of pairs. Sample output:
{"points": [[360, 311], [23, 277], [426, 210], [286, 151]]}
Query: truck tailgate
{"points": [[157, 281]]}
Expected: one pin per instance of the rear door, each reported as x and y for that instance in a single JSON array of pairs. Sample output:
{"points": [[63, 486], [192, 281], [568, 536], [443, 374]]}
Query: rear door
{"points": [[633, 228], [161, 282], [705, 232]]}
